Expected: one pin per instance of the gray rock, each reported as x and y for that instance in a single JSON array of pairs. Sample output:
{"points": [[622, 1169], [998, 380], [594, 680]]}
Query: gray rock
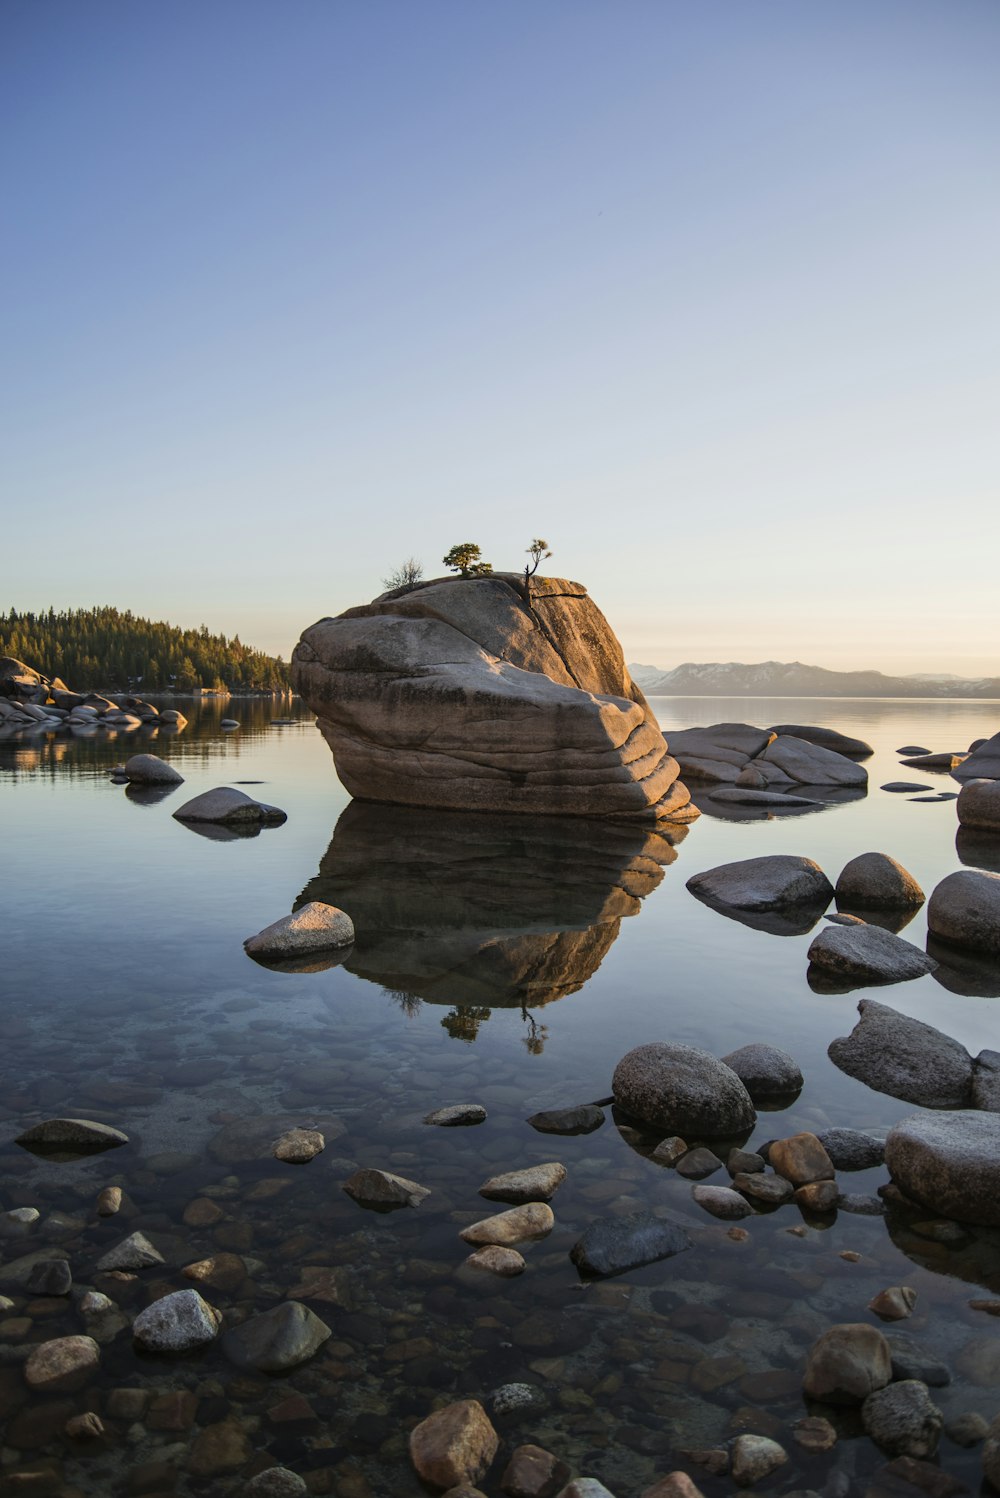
{"points": [[177, 1323], [827, 738], [134, 1252], [314, 927], [852, 1149], [252, 1138], [583, 1119], [967, 1429], [274, 1482], [698, 1163], [764, 1070], [905, 1058], [520, 1225], [149, 769], [768, 1189], [19, 1222], [899, 787], [986, 1081], [847, 1364], [585, 1487], [722, 1202], [682, 1089], [457, 1115], [511, 1399], [772, 882], [277, 1339], [50, 1277], [983, 763], [811, 764], [744, 1162], [902, 1420], [299, 1146], [878, 881], [226, 804], [949, 1162], [860, 1204], [868, 954], [913, 749], [741, 795], [536, 1183], [965, 910], [911, 1360], [753, 1458], [381, 1188], [71, 1133], [944, 761], [979, 805], [17, 1272], [613, 1245]]}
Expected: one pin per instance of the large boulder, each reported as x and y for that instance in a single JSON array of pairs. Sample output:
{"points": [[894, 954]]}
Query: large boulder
{"points": [[868, 954], [965, 910], [773, 882], [224, 803], [826, 738], [404, 687], [719, 752], [949, 1162], [982, 763], [905, 1058], [682, 1090], [874, 880], [811, 764], [979, 805]]}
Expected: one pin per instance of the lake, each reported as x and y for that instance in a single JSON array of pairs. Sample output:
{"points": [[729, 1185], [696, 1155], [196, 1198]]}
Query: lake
{"points": [[507, 962]]}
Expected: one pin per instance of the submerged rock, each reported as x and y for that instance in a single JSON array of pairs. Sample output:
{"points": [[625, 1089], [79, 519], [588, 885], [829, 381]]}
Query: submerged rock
{"points": [[71, 1133], [277, 1339], [62, 1365], [905, 1058], [583, 1119], [682, 1089], [134, 1252], [762, 884], [613, 1245], [493, 1257], [519, 1225], [536, 1183], [868, 954], [949, 1162], [902, 1419], [457, 1115], [846, 1364], [299, 1146], [381, 1188]]}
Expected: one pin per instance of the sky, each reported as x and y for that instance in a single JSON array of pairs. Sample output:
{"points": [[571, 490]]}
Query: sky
{"points": [[705, 295]]}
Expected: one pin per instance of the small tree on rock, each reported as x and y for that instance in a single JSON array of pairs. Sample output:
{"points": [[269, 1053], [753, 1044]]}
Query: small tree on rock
{"points": [[538, 551], [404, 576], [465, 559]]}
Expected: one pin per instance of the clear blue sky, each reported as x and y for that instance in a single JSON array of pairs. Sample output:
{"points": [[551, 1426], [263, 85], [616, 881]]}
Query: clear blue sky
{"points": [[705, 294]]}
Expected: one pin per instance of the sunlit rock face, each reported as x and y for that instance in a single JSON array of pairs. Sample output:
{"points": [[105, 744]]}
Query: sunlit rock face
{"points": [[468, 694], [494, 911]]}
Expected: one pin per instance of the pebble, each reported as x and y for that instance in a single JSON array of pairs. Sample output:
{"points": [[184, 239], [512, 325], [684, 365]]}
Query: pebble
{"points": [[753, 1457], [722, 1202], [506, 1262], [299, 1146], [62, 1365], [134, 1252], [895, 1303], [537, 1183], [109, 1201]]}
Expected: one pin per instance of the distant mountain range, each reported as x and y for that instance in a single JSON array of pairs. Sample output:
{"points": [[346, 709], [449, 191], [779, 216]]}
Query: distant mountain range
{"points": [[793, 679]]}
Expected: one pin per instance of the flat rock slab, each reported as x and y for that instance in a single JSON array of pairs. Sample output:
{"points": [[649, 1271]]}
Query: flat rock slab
{"points": [[281, 1338], [964, 910], [519, 1225], [580, 1120], [226, 804], [811, 764], [949, 1162], [983, 763], [536, 1183], [773, 882], [905, 1058], [315, 927], [80, 1134], [868, 954], [741, 795], [933, 761], [826, 738], [614, 1245], [899, 787]]}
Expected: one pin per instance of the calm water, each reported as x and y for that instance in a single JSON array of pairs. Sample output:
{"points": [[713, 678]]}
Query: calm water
{"points": [[499, 961]]}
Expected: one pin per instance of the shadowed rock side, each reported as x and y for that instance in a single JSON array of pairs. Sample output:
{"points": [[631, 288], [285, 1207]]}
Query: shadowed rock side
{"points": [[472, 910], [459, 693]]}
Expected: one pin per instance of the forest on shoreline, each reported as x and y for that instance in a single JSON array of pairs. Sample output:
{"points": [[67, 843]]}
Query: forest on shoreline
{"points": [[108, 649]]}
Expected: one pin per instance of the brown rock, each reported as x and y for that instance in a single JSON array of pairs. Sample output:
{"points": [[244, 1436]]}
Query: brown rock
{"points": [[299, 1146], [202, 1212], [109, 1201], [846, 1364], [327, 1283], [84, 1427], [506, 1262], [801, 1159], [174, 1410], [533, 1472], [814, 1434], [224, 1447], [895, 1303], [454, 1445], [533, 1220], [817, 1196], [222, 1271], [536, 1183], [62, 1365], [674, 1485]]}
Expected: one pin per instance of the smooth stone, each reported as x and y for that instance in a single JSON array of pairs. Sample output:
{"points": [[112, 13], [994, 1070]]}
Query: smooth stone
{"points": [[979, 805], [274, 1482], [682, 1089], [965, 910], [613, 1245], [698, 1163], [811, 764], [746, 795], [18, 1222], [252, 1138], [514, 1399], [913, 749], [453, 1446], [868, 954], [894, 1304], [277, 1339], [986, 1081], [949, 1162], [772, 882], [177, 1323], [457, 1115], [670, 1150], [149, 769], [109, 1201], [18, 1271], [852, 1149], [533, 1472], [876, 880], [770, 1190], [721, 1201], [226, 804], [381, 1188], [846, 1364], [801, 1159], [585, 1487], [753, 1458], [519, 1225], [72, 1133], [674, 1485], [62, 1365], [223, 1271], [904, 1057], [902, 1419], [744, 1162], [505, 1262], [536, 1183], [134, 1252], [580, 1120], [910, 1359], [299, 1146], [967, 1429], [933, 761], [315, 927], [86, 1427], [826, 738], [764, 1070]]}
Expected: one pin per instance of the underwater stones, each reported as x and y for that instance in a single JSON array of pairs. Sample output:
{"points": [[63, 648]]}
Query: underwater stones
{"points": [[222, 1271], [894, 1304], [283, 1337], [519, 1225], [964, 910], [721, 1201], [904, 1057], [299, 1146], [315, 927], [50, 1277], [402, 686], [533, 1472], [457, 1115], [252, 1138], [495, 1259], [683, 1089], [852, 1149], [949, 1162], [454, 1446], [698, 1163], [62, 1365], [149, 769], [536, 1183], [381, 1188], [613, 1245], [801, 1159], [846, 1364], [71, 1133], [109, 1201], [274, 1482], [754, 1457], [583, 1119], [177, 1323], [773, 882], [226, 804], [902, 1419], [863, 953], [817, 1196], [764, 1070], [674, 1485], [875, 880], [134, 1252]]}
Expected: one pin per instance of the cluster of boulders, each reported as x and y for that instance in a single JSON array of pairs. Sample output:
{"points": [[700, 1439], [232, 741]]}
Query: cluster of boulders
{"points": [[739, 764], [32, 703]]}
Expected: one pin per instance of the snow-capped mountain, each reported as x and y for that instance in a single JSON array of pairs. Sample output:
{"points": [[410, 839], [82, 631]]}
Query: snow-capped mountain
{"points": [[794, 679]]}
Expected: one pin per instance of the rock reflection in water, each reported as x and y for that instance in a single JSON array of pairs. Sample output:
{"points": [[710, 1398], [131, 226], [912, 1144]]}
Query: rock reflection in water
{"points": [[484, 911]]}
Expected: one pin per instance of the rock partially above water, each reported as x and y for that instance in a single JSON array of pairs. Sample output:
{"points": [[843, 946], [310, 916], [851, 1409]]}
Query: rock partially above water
{"points": [[613, 1245], [299, 1146], [454, 1446], [381, 1188], [277, 1339], [905, 1058], [868, 954], [227, 805], [62, 1365], [765, 1071], [580, 1120], [519, 1225], [149, 769], [134, 1252], [312, 928], [852, 1149], [875, 880], [536, 1183], [177, 1323], [800, 1159], [982, 763], [682, 1089], [457, 1115], [949, 1162], [846, 1364], [965, 910], [252, 1138], [902, 1419], [811, 764], [773, 882], [827, 738]]}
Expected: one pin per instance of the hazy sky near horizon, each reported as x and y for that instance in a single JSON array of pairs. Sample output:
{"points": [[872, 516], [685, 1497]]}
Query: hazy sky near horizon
{"points": [[706, 295]]}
